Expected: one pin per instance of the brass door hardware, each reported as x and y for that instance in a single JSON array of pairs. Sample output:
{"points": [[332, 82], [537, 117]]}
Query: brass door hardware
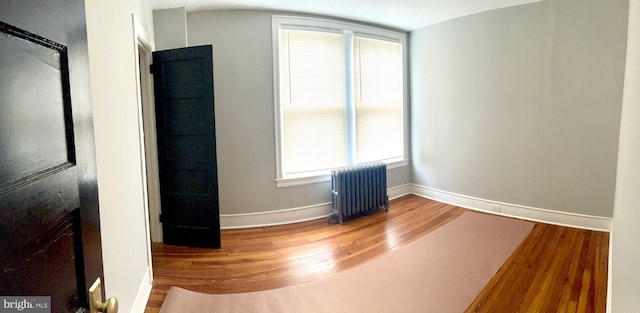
{"points": [[95, 300]]}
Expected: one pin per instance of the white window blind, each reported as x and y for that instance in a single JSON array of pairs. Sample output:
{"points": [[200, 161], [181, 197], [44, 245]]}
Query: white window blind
{"points": [[312, 100], [378, 99], [340, 96]]}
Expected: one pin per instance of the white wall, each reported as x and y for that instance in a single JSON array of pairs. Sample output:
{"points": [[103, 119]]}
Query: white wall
{"points": [[245, 135], [113, 88], [626, 214], [522, 105]]}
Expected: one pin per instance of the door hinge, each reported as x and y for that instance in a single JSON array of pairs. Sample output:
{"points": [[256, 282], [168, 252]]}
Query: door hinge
{"points": [[160, 218], [151, 68]]}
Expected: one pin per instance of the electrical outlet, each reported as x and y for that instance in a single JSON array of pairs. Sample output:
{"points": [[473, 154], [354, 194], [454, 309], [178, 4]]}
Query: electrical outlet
{"points": [[496, 208]]}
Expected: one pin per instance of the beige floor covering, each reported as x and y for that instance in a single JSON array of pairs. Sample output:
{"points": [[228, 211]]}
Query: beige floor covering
{"points": [[441, 272]]}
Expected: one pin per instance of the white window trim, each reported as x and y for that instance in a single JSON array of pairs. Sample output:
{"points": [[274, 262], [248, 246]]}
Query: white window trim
{"points": [[294, 22]]}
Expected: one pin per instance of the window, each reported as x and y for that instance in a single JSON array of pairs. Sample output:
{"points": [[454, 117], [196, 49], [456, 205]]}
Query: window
{"points": [[339, 94]]}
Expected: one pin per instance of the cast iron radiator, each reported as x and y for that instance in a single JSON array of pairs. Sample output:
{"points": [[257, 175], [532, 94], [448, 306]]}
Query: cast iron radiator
{"points": [[358, 189]]}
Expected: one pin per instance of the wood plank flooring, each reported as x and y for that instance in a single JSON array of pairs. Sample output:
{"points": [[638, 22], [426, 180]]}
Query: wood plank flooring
{"points": [[555, 269]]}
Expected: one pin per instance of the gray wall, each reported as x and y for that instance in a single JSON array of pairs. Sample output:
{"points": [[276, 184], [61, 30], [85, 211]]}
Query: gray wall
{"points": [[522, 105], [243, 86], [170, 28]]}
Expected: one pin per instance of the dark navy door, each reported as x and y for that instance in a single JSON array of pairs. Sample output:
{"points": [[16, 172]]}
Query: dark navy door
{"points": [[185, 121]]}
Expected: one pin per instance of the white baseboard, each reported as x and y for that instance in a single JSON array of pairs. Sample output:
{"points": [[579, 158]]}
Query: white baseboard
{"points": [[514, 210], [294, 215], [278, 217], [609, 307], [140, 303], [398, 191], [311, 212]]}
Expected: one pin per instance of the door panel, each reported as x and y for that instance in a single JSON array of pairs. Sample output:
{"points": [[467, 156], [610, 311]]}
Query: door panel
{"points": [[39, 118], [49, 220], [185, 121]]}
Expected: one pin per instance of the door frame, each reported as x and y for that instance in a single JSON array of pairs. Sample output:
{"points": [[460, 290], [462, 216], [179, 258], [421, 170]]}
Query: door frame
{"points": [[143, 47]]}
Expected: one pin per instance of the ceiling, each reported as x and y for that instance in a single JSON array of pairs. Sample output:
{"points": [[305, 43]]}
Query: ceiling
{"points": [[406, 15]]}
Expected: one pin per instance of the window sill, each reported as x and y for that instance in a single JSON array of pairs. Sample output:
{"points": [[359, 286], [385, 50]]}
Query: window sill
{"points": [[324, 177]]}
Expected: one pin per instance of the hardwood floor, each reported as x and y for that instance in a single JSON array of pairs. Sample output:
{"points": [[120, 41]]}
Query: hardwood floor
{"points": [[555, 269]]}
